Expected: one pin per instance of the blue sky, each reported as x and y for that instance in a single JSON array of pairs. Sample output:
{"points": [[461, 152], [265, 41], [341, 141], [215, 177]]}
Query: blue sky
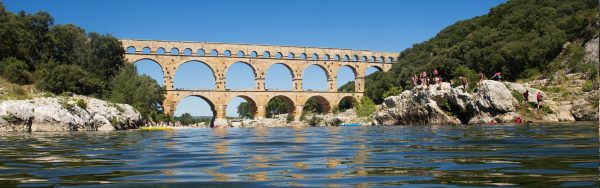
{"points": [[380, 25]]}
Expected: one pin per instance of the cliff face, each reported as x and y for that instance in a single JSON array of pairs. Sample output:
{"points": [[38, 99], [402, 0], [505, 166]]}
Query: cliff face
{"points": [[77, 113], [499, 102]]}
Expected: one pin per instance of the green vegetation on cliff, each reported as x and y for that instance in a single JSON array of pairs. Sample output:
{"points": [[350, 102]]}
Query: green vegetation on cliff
{"points": [[64, 58], [520, 38]]}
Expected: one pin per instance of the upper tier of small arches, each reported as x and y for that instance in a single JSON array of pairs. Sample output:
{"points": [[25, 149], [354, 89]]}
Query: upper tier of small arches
{"points": [[156, 48]]}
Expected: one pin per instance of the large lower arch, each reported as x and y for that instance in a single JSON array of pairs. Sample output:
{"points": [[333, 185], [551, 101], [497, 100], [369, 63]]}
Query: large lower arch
{"points": [[186, 76], [191, 104], [317, 105], [249, 107], [312, 78], [240, 76], [279, 76], [280, 104], [346, 103], [151, 68]]}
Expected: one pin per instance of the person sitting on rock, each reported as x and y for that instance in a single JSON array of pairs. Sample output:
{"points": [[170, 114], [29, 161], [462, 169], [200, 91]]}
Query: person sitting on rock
{"points": [[540, 100], [465, 82], [451, 83], [498, 76], [526, 97]]}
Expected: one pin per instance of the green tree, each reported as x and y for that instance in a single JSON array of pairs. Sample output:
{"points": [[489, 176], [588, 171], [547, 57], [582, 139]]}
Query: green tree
{"points": [[278, 106], [366, 107], [140, 91], [65, 78], [246, 110], [186, 119], [15, 71], [313, 105]]}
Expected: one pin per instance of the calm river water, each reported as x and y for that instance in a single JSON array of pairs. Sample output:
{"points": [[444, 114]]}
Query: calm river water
{"points": [[404, 156]]}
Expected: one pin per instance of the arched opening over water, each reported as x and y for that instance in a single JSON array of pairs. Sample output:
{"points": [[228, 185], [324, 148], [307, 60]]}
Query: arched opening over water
{"points": [[317, 105], [314, 78], [242, 107], [279, 105], [344, 75], [279, 77], [240, 76], [195, 75], [346, 103], [199, 107]]}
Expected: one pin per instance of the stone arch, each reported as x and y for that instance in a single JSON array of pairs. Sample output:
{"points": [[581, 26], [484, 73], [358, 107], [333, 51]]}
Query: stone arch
{"points": [[248, 99], [324, 104], [160, 50], [252, 68], [354, 71], [381, 59], [346, 58], [390, 60], [303, 56], [174, 51], [372, 59], [346, 102], [336, 57], [278, 55], [187, 52], [162, 69], [363, 59], [146, 50], [266, 54], [131, 50], [227, 53], [214, 52], [291, 55], [326, 57], [354, 58], [313, 79], [291, 107], [269, 78], [240, 53], [315, 56], [320, 66], [253, 54], [200, 52], [196, 61], [210, 103]]}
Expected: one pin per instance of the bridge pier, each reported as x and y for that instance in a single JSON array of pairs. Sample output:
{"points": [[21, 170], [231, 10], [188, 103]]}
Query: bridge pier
{"points": [[298, 112], [220, 116], [261, 112]]}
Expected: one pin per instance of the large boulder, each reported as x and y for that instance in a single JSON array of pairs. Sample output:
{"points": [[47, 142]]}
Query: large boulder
{"points": [[77, 113], [414, 107], [493, 102]]}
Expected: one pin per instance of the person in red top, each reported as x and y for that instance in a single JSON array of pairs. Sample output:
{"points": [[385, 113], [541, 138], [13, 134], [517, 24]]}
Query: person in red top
{"points": [[498, 76], [526, 97], [539, 100], [480, 78]]}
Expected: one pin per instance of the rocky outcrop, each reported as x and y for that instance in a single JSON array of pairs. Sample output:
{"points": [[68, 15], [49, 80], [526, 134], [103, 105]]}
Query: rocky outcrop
{"points": [[417, 106], [440, 104], [77, 113], [591, 51]]}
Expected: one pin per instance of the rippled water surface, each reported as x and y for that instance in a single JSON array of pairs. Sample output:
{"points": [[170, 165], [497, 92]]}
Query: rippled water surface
{"points": [[422, 156]]}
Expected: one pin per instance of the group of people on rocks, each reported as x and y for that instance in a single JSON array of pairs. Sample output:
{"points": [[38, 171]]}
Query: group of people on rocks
{"points": [[424, 80], [539, 99]]}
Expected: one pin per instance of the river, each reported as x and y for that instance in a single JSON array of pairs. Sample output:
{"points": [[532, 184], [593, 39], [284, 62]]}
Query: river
{"points": [[404, 156]]}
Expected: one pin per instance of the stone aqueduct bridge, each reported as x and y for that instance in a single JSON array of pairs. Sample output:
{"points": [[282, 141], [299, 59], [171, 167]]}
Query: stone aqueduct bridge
{"points": [[170, 55]]}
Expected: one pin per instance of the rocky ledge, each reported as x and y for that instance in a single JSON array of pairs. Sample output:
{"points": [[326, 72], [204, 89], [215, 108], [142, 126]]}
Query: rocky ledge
{"points": [[493, 102], [76, 113]]}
